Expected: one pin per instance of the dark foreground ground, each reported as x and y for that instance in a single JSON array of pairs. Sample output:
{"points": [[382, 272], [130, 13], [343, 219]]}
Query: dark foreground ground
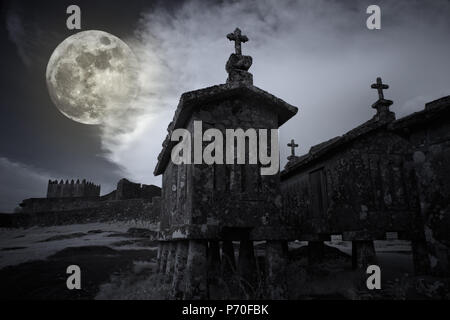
{"points": [[120, 265], [46, 279]]}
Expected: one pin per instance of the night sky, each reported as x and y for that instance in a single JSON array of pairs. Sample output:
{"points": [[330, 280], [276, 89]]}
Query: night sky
{"points": [[317, 55]]}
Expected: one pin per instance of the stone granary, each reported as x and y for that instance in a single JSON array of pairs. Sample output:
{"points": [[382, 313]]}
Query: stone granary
{"points": [[385, 176], [206, 207]]}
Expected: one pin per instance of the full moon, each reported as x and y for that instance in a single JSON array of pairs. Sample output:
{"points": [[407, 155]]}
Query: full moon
{"points": [[91, 75]]}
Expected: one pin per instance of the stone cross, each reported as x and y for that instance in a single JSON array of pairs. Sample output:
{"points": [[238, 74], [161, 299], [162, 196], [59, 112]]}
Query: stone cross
{"points": [[238, 38], [380, 86], [293, 145]]}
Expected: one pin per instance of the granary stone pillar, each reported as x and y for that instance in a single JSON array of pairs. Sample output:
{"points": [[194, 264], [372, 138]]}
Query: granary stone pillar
{"points": [[247, 262], [158, 257], [214, 269], [421, 259], [441, 259], [214, 258], [228, 259], [261, 266], [179, 275], [316, 252], [170, 261], [276, 265], [363, 254], [196, 270], [163, 257]]}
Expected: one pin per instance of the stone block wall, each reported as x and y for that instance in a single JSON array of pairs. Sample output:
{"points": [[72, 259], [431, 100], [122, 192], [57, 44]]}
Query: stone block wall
{"points": [[35, 205], [206, 200], [363, 189], [429, 135], [123, 210], [391, 178]]}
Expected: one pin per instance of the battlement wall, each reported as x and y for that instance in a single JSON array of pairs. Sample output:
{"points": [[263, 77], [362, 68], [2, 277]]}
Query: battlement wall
{"points": [[73, 188], [34, 205], [130, 190], [143, 210]]}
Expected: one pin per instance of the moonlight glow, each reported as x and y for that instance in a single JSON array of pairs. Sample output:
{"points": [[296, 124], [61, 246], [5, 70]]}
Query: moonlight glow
{"points": [[92, 75]]}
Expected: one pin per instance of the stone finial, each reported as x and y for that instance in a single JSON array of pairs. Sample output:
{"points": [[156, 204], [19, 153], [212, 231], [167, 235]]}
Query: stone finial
{"points": [[292, 157], [382, 105], [380, 86], [238, 38], [237, 65], [292, 145]]}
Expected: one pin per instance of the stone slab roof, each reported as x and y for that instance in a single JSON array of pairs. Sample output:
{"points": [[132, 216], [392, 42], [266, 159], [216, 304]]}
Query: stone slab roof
{"points": [[190, 100], [433, 110]]}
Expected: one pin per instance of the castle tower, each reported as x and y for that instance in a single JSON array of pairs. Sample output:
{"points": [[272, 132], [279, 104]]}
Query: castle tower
{"points": [[72, 189], [208, 204]]}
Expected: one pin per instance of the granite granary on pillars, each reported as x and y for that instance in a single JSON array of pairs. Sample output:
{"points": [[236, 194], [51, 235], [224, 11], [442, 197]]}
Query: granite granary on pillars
{"points": [[206, 207], [385, 176]]}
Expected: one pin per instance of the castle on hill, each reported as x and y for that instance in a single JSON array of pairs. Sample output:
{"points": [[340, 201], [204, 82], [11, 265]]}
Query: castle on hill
{"points": [[83, 195]]}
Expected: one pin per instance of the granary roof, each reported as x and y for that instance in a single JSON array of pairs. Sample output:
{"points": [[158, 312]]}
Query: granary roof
{"points": [[192, 99], [433, 110], [327, 147]]}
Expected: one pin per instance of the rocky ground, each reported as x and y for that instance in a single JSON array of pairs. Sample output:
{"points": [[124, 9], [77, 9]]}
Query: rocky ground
{"points": [[34, 261], [117, 261]]}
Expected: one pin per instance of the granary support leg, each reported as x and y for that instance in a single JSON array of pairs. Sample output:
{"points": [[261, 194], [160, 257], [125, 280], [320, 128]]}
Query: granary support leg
{"points": [[228, 259], [214, 259], [247, 263], [229, 272], [363, 254], [316, 252], [158, 257], [179, 277], [441, 253], [196, 270], [214, 269], [421, 259], [276, 263], [170, 261], [163, 255]]}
